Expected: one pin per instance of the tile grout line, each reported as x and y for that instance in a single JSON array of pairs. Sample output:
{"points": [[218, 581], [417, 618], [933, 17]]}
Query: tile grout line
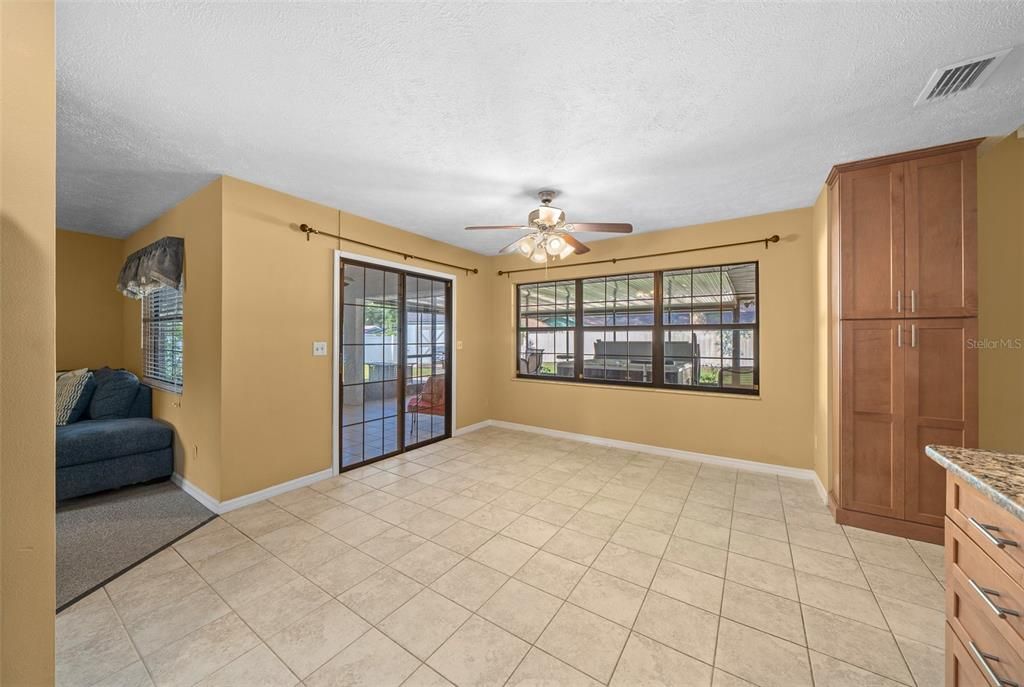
{"points": [[799, 596], [131, 639], [588, 567], [622, 464], [647, 592], [238, 615], [725, 579], [892, 634]]}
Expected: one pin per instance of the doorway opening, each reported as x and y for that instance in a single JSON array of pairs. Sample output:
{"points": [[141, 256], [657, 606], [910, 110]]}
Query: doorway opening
{"points": [[394, 372]]}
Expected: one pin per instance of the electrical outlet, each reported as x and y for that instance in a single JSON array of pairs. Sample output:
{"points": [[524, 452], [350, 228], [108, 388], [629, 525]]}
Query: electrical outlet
{"points": [[319, 348], [195, 451], [458, 345]]}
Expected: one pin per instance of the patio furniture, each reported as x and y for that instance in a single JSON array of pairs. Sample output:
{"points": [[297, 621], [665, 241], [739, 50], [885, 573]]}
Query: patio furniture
{"points": [[737, 376], [430, 399], [632, 361], [530, 363]]}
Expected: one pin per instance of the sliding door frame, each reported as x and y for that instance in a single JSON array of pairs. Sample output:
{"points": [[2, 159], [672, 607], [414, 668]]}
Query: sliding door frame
{"points": [[339, 257]]}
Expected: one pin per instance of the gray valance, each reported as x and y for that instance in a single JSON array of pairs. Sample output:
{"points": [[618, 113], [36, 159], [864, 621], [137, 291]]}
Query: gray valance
{"points": [[158, 264]]}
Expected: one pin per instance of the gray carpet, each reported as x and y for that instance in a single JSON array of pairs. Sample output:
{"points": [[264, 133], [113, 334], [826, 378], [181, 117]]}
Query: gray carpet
{"points": [[99, 537]]}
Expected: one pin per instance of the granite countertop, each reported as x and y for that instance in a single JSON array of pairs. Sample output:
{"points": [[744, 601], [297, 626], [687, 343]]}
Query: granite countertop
{"points": [[1000, 476]]}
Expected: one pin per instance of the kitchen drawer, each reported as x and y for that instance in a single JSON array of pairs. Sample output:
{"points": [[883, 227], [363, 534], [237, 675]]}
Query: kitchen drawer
{"points": [[997, 532], [972, 622], [982, 583], [961, 668]]}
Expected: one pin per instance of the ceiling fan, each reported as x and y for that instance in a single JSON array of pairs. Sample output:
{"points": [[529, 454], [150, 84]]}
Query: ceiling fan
{"points": [[550, 235]]}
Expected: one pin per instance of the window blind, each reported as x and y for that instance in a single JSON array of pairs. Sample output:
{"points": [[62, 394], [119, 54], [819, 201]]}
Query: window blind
{"points": [[162, 336]]}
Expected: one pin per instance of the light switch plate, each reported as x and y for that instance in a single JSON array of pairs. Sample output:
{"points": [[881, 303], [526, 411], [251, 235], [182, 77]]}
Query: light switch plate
{"points": [[319, 348]]}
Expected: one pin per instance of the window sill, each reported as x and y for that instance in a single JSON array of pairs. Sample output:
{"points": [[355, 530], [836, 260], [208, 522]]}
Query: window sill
{"points": [[644, 389], [162, 386]]}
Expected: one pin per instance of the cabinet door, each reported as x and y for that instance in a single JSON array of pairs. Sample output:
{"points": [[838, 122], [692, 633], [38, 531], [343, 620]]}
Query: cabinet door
{"points": [[942, 236], [872, 444], [871, 242], [941, 407]]}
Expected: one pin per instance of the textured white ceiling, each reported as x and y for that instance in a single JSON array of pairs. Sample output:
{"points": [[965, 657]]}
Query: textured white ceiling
{"points": [[434, 116]]}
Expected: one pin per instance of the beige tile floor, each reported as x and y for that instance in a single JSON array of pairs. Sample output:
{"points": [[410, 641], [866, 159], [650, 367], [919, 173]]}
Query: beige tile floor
{"points": [[506, 558]]}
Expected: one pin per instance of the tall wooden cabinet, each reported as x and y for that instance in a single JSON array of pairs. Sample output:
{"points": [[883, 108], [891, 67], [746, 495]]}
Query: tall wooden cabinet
{"points": [[903, 231]]}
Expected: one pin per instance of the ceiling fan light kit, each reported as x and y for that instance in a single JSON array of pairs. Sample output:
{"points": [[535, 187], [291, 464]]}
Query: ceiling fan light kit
{"points": [[549, 235], [555, 245]]}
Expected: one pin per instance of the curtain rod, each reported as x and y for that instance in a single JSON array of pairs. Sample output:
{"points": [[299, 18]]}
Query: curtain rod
{"points": [[308, 231], [768, 239]]}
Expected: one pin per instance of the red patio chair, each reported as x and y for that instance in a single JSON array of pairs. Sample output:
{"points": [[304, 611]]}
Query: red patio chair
{"points": [[430, 399]]}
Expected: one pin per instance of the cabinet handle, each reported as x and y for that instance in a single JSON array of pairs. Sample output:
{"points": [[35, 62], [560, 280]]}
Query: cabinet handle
{"points": [[913, 336], [899, 300], [983, 659], [913, 300], [986, 595], [899, 336], [987, 531]]}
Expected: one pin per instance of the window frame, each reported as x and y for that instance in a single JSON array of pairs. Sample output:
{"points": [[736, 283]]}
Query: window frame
{"points": [[658, 331], [172, 385]]}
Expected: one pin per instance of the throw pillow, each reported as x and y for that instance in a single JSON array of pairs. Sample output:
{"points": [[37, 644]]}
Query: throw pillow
{"points": [[70, 386], [82, 406], [115, 391]]}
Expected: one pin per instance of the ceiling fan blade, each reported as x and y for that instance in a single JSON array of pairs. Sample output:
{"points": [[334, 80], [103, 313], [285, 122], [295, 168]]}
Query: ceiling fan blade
{"points": [[606, 227], [510, 248], [501, 226], [577, 245]]}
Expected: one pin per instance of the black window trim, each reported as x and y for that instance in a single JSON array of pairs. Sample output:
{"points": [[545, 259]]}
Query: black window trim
{"points": [[658, 330]]}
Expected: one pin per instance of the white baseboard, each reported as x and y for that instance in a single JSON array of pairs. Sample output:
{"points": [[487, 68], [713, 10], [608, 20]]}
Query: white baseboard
{"points": [[221, 507], [196, 493], [472, 428], [822, 491], [737, 463]]}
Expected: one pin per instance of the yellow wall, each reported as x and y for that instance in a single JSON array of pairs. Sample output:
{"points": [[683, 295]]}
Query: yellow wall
{"points": [[90, 311], [822, 439], [773, 428], [1001, 294], [27, 358], [277, 300], [256, 410], [196, 412]]}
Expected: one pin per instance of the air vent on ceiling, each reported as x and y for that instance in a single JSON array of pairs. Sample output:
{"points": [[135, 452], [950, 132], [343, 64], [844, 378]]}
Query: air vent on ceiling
{"points": [[960, 77]]}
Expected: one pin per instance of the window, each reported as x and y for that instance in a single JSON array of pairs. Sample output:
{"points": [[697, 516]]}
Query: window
{"points": [[694, 328], [547, 335], [162, 311]]}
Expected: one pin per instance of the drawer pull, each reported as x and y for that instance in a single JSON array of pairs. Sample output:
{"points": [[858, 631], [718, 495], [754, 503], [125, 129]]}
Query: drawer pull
{"points": [[983, 659], [986, 595], [987, 530]]}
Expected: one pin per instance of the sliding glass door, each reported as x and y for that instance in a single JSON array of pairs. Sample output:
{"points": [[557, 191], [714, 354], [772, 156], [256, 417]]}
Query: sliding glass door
{"points": [[426, 355], [395, 380]]}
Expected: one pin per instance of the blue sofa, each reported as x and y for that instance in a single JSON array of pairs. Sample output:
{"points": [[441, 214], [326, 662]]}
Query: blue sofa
{"points": [[95, 455]]}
